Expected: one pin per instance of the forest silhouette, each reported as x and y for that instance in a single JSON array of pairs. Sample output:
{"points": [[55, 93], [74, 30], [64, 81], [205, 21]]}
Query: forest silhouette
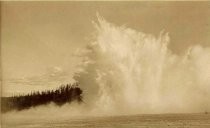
{"points": [[64, 94]]}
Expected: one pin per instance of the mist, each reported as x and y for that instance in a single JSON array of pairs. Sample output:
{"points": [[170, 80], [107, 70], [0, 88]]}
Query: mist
{"points": [[126, 71]]}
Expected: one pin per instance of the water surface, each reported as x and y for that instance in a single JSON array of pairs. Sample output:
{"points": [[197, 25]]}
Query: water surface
{"points": [[132, 121]]}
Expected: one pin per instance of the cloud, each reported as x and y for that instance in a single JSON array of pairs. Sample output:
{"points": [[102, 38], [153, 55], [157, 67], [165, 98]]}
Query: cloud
{"points": [[53, 77]]}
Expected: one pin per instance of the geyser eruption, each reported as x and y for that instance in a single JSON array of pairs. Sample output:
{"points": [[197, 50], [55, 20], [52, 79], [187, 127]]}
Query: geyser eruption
{"points": [[125, 71]]}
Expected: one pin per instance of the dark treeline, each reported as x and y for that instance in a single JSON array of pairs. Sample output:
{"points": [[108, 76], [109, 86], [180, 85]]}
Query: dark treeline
{"points": [[64, 94]]}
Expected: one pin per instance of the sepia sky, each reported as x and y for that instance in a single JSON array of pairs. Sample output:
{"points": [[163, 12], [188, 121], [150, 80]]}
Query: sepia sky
{"points": [[39, 39]]}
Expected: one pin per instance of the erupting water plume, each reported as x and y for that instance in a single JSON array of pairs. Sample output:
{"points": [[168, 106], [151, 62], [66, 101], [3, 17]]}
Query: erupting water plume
{"points": [[126, 71]]}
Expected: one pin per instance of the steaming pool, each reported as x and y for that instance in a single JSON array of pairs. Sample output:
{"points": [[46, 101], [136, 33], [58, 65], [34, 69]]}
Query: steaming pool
{"points": [[133, 121]]}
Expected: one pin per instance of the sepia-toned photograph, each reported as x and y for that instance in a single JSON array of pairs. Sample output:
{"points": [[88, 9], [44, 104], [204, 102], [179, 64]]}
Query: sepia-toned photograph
{"points": [[105, 64]]}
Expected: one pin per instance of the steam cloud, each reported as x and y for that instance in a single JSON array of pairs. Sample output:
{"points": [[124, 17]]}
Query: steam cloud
{"points": [[126, 71]]}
